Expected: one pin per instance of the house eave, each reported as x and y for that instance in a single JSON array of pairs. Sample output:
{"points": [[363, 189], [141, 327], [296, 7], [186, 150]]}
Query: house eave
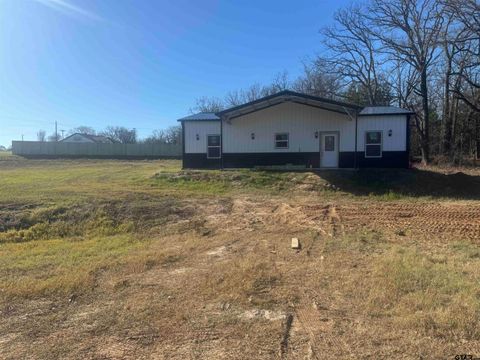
{"points": [[288, 96]]}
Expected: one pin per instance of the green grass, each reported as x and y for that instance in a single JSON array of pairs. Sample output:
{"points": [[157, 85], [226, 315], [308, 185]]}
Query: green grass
{"points": [[64, 180], [223, 182], [60, 266]]}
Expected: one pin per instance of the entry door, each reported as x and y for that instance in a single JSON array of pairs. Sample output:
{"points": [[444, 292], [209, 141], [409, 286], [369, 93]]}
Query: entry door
{"points": [[329, 151]]}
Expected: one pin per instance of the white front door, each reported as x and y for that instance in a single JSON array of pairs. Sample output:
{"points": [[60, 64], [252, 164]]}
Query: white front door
{"points": [[329, 150]]}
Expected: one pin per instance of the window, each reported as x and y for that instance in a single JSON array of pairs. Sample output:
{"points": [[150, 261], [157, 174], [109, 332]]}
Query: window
{"points": [[329, 143], [373, 144], [281, 141], [213, 146]]}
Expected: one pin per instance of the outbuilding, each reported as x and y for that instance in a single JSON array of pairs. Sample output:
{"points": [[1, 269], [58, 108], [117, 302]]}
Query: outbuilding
{"points": [[87, 138], [290, 128]]}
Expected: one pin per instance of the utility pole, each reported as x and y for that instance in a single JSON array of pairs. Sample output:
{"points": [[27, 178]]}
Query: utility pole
{"points": [[22, 137], [56, 132], [62, 132]]}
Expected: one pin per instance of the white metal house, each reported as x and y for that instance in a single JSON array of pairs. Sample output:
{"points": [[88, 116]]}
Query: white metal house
{"points": [[290, 128]]}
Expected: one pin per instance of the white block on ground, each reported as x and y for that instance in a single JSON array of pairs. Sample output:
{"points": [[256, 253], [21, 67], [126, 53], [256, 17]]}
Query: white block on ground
{"points": [[295, 243]]}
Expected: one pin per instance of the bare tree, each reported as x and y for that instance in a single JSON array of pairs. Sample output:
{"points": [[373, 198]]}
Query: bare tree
{"points": [[315, 81], [171, 135], [409, 32], [279, 83], [207, 104], [352, 53], [252, 93], [120, 134], [82, 130], [467, 44], [41, 135]]}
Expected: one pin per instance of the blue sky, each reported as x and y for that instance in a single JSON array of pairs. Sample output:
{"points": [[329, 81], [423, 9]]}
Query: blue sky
{"points": [[142, 63]]}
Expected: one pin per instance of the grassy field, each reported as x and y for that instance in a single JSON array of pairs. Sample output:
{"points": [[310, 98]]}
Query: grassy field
{"points": [[112, 259]]}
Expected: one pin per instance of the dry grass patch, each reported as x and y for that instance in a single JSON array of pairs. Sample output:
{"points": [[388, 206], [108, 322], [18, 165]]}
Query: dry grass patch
{"points": [[433, 294], [246, 280]]}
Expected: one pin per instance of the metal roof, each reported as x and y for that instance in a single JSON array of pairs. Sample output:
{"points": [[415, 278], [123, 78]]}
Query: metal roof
{"points": [[299, 98], [292, 96], [203, 116], [99, 139], [384, 110]]}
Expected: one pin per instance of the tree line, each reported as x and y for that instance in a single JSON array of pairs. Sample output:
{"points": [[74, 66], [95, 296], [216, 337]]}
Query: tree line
{"points": [[423, 55], [120, 134]]}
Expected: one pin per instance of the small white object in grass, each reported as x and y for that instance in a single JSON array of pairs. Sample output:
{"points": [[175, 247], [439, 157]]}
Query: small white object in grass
{"points": [[295, 243]]}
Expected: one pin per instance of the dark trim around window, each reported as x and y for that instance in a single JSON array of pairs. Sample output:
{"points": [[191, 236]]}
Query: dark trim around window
{"points": [[371, 146], [214, 148], [285, 141]]}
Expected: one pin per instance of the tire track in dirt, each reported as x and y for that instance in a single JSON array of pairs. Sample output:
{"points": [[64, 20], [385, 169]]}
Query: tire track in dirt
{"points": [[437, 219], [318, 326], [332, 218]]}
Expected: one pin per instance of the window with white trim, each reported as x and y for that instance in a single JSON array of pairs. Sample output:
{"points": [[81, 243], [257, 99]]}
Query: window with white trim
{"points": [[213, 147], [281, 141], [373, 144]]}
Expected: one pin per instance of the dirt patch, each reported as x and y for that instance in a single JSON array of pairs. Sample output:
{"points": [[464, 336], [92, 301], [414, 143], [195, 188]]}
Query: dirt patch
{"points": [[266, 314], [441, 220]]}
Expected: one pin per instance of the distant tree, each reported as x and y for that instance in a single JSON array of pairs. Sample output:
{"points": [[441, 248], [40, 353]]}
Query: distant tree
{"points": [[82, 130], [315, 81], [54, 137], [358, 93], [3, 148], [121, 134], [171, 135], [207, 104], [238, 97], [42, 135], [280, 82]]}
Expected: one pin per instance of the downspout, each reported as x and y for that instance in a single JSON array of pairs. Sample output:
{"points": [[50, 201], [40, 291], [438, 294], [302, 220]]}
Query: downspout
{"points": [[221, 142], [183, 144], [356, 139], [356, 130], [408, 141]]}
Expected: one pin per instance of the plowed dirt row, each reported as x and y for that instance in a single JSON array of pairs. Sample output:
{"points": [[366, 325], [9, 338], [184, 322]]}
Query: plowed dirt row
{"points": [[430, 219], [442, 220]]}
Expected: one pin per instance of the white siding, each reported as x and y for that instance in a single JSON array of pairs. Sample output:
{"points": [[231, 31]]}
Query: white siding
{"points": [[396, 123], [300, 121], [202, 128]]}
